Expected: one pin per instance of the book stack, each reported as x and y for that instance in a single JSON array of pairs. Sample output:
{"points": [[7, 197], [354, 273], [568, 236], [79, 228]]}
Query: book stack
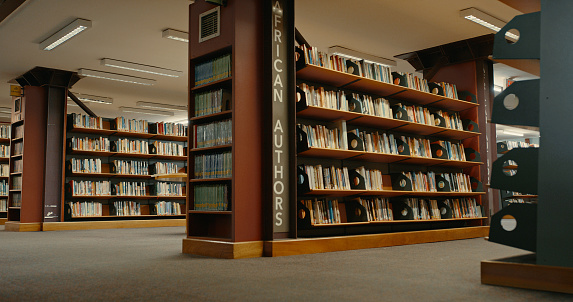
{"points": [[90, 188], [169, 189], [168, 148], [329, 178], [125, 145], [131, 125], [377, 142], [4, 170], [165, 168], [17, 180], [213, 134], [127, 208], [218, 165], [377, 209], [323, 211], [130, 188], [464, 207], [164, 128], [213, 70], [86, 121], [372, 178], [3, 205], [100, 144], [211, 198], [5, 149], [320, 97], [131, 167], [86, 208], [167, 208], [210, 102], [423, 209], [4, 131], [86, 165], [320, 136]]}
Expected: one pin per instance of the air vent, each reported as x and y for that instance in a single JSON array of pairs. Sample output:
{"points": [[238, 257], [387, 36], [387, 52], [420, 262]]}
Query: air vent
{"points": [[209, 24]]}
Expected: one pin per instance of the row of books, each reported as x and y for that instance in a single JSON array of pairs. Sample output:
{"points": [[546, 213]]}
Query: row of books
{"points": [[86, 208], [213, 134], [4, 170], [366, 69], [131, 167], [18, 132], [4, 131], [464, 207], [131, 125], [5, 149], [131, 188], [218, 165], [330, 178], [426, 182], [166, 168], [122, 208], [213, 70], [454, 151], [211, 198], [127, 208], [211, 102], [100, 144], [16, 185], [86, 121], [16, 199], [414, 81], [450, 90], [17, 165], [323, 211], [169, 148], [374, 106], [3, 205], [169, 189], [164, 128], [319, 136], [168, 208], [422, 115], [519, 144], [320, 97], [90, 188], [125, 145], [372, 178], [423, 209], [377, 209], [86, 165]]}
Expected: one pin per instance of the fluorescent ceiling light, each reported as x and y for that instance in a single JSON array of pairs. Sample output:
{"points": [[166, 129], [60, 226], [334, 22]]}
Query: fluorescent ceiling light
{"points": [[497, 88], [515, 133], [141, 68], [7, 110], [93, 98], [176, 35], [357, 55], [184, 122], [65, 34], [483, 19], [115, 77], [146, 111], [161, 106]]}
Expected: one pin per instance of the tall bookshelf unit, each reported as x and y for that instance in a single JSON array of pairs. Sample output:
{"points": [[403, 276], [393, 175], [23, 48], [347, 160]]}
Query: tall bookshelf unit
{"points": [[4, 170], [232, 228], [143, 210]]}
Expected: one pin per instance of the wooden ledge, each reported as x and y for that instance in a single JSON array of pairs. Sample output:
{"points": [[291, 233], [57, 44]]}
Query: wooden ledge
{"points": [[3, 221], [16, 226], [120, 224], [223, 249]]}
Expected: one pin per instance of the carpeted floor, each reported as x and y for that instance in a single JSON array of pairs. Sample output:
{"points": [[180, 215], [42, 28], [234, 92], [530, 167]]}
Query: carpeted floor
{"points": [[147, 264]]}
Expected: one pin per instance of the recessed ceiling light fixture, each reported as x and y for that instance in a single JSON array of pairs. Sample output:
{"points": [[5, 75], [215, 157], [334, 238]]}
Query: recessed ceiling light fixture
{"points": [[176, 35], [65, 34], [93, 98], [146, 111], [141, 68], [161, 106], [6, 110], [475, 15], [357, 55], [115, 77]]}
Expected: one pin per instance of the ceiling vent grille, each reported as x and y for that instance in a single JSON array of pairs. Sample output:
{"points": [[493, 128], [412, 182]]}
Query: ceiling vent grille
{"points": [[209, 24]]}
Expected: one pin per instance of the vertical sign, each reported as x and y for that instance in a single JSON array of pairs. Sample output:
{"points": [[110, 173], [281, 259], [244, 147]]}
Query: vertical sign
{"points": [[280, 118]]}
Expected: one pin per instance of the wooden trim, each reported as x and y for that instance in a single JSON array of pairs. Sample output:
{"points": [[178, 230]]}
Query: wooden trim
{"points": [[97, 225], [345, 243], [3, 221], [221, 249], [16, 226], [522, 272]]}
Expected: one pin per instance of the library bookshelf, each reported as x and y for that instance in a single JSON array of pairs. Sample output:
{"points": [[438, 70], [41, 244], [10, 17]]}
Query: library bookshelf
{"points": [[4, 170], [124, 162]]}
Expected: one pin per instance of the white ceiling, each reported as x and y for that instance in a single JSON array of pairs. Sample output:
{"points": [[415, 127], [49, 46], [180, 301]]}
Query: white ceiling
{"points": [[130, 30]]}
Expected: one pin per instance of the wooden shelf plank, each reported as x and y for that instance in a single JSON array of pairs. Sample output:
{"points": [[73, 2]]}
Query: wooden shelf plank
{"points": [[227, 146], [194, 212], [211, 117], [524, 6], [113, 224], [212, 84], [195, 180], [388, 193], [169, 137], [395, 222], [107, 175]]}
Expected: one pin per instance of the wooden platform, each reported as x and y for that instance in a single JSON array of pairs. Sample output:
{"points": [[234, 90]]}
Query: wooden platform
{"points": [[94, 225], [223, 249], [3, 221], [523, 272], [16, 226]]}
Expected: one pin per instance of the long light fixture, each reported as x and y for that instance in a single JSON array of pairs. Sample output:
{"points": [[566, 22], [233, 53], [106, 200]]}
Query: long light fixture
{"points": [[514, 133], [141, 68], [7, 110], [146, 111], [176, 35], [161, 106], [115, 77], [475, 15], [93, 98], [66, 33], [357, 55], [184, 122]]}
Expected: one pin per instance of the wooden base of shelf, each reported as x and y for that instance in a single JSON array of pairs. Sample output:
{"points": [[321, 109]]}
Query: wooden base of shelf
{"points": [[98, 225], [222, 249], [16, 226], [3, 221], [289, 247], [523, 272]]}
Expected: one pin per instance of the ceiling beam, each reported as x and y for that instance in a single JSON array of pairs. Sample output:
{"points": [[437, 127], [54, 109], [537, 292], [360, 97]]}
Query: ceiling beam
{"points": [[8, 7]]}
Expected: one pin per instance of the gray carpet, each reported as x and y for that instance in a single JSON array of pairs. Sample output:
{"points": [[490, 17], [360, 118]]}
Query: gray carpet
{"points": [[147, 264]]}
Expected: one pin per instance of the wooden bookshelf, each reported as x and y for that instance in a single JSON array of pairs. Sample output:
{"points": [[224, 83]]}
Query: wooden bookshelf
{"points": [[5, 145]]}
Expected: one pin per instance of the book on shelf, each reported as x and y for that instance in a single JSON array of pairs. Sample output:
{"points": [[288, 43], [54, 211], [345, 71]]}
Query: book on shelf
{"points": [[211, 102], [18, 131], [323, 211], [423, 209], [377, 209], [213, 134], [18, 149], [168, 148], [16, 199], [4, 185], [320, 97], [86, 165], [426, 181], [167, 208], [130, 188], [130, 167], [86, 121], [165, 128], [320, 136], [453, 151], [126, 208], [211, 198], [125, 145], [15, 185], [4, 170], [410, 80], [168, 189], [90, 188], [5, 130], [86, 208], [372, 178], [99, 144], [217, 165], [18, 165], [3, 205], [213, 70], [164, 168], [329, 178], [131, 125], [464, 207], [5, 150]]}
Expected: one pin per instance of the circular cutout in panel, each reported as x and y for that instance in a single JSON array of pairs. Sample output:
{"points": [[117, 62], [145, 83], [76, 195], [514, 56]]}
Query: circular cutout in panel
{"points": [[398, 114], [441, 184], [435, 90], [512, 36], [470, 127], [296, 56], [404, 212], [301, 214], [354, 143], [402, 183], [356, 181], [298, 96], [358, 212], [300, 179], [510, 101], [472, 156], [350, 69], [509, 168], [397, 81], [508, 223], [439, 153], [443, 210]]}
